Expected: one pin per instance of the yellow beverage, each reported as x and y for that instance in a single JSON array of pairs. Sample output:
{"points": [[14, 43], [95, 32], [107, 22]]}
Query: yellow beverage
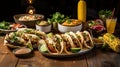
{"points": [[110, 25]]}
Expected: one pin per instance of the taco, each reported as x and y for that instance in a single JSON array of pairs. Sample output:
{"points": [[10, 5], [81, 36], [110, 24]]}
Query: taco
{"points": [[22, 31], [55, 44], [58, 43], [75, 40], [11, 40], [80, 37], [87, 39], [51, 46], [68, 43]]}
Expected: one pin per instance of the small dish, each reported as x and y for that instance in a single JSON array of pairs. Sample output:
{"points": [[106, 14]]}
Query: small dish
{"points": [[46, 28], [43, 26], [22, 52], [13, 28]]}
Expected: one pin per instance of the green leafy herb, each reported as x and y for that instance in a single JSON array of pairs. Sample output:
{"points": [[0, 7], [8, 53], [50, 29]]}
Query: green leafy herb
{"points": [[5, 25], [105, 45], [50, 34], [14, 38], [91, 23], [57, 18], [29, 45], [112, 37], [59, 40], [84, 34], [68, 21], [79, 37], [28, 30], [107, 13]]}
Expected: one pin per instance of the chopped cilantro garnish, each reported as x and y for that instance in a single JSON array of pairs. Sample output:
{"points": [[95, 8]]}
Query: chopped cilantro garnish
{"points": [[68, 21]]}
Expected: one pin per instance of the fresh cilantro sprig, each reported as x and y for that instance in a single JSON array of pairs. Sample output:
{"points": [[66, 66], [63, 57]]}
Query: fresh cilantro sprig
{"points": [[5, 25], [57, 18], [107, 13]]}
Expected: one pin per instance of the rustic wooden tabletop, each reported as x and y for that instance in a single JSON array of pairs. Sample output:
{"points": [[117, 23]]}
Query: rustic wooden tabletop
{"points": [[94, 58]]}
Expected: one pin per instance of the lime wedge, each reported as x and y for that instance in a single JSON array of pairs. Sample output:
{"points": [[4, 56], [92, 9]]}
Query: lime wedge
{"points": [[74, 50], [43, 48]]}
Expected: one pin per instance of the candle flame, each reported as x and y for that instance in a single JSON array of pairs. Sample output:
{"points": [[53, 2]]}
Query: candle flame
{"points": [[30, 11], [30, 1]]}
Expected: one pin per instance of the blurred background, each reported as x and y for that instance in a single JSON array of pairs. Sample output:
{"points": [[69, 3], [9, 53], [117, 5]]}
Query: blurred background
{"points": [[8, 8]]}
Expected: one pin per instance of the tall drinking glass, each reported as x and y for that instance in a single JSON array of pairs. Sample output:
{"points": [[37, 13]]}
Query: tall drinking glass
{"points": [[111, 24]]}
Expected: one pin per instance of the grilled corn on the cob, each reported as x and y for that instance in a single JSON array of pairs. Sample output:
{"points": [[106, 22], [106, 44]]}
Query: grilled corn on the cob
{"points": [[112, 41]]}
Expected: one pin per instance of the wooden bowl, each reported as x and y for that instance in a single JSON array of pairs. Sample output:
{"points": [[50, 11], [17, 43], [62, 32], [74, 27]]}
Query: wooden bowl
{"points": [[29, 23]]}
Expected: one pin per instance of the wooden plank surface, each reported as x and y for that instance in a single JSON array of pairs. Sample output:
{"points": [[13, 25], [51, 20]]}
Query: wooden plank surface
{"points": [[103, 58], [39, 60], [7, 59], [94, 58]]}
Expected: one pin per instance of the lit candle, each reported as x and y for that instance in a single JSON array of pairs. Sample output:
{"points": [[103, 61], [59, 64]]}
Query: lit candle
{"points": [[30, 11], [30, 1]]}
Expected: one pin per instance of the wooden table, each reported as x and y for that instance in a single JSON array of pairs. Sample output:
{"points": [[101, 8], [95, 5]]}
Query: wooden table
{"points": [[94, 58]]}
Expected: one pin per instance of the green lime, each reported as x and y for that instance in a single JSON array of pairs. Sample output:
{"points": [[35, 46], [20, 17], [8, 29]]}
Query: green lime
{"points": [[43, 48], [74, 50]]}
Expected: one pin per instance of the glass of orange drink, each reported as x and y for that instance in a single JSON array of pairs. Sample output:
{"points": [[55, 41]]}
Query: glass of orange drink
{"points": [[111, 24]]}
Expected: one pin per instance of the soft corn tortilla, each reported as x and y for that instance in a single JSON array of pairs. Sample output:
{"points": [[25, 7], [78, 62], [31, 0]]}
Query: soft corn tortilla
{"points": [[67, 42], [88, 36], [61, 44], [80, 37], [75, 39], [54, 44]]}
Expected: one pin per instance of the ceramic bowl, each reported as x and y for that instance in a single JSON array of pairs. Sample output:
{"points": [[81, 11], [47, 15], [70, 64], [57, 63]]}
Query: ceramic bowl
{"points": [[64, 29], [44, 28]]}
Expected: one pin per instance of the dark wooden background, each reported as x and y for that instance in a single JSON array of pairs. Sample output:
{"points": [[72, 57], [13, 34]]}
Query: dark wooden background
{"points": [[8, 8]]}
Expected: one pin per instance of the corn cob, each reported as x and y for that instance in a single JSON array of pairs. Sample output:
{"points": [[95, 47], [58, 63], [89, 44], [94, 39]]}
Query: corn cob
{"points": [[112, 41]]}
